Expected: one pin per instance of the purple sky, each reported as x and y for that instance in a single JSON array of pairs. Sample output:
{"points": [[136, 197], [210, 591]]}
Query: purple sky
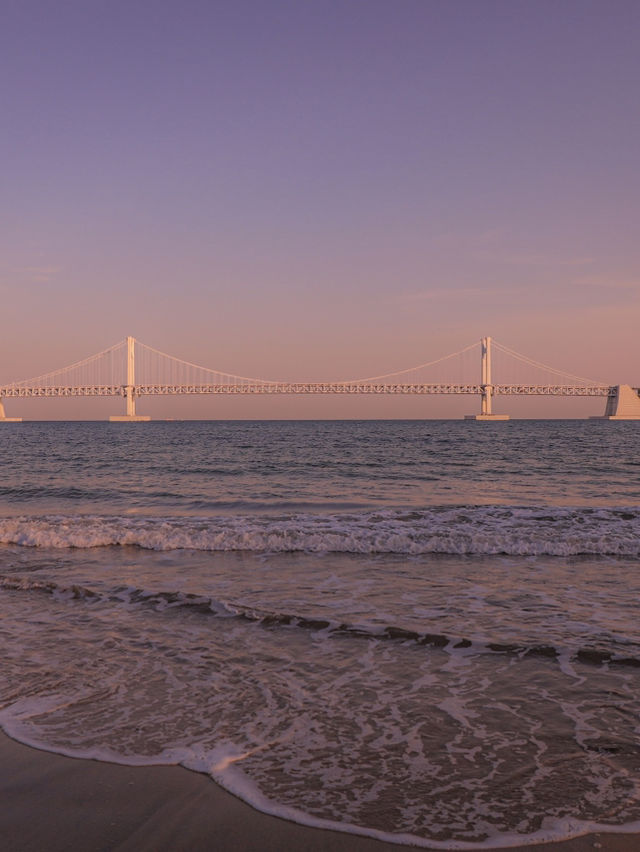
{"points": [[314, 189]]}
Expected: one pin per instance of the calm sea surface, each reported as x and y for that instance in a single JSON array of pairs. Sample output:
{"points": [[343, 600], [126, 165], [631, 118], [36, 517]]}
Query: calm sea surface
{"points": [[425, 631]]}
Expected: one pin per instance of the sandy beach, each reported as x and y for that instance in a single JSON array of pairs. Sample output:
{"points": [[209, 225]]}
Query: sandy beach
{"points": [[59, 803]]}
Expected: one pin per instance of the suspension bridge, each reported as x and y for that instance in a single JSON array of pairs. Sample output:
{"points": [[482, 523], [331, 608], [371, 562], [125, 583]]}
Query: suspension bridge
{"points": [[132, 370]]}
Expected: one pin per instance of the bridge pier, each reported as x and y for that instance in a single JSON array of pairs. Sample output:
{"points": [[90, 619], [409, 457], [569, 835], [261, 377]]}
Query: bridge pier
{"points": [[487, 388], [5, 419], [486, 417], [624, 405], [130, 390], [130, 416]]}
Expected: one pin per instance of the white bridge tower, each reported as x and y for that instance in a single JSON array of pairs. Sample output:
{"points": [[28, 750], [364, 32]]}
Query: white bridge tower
{"points": [[486, 386], [129, 389]]}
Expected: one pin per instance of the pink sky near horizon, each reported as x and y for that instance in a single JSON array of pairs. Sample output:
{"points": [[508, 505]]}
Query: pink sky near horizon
{"points": [[319, 191]]}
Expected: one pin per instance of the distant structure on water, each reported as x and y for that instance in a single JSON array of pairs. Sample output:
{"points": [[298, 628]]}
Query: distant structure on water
{"points": [[132, 370]]}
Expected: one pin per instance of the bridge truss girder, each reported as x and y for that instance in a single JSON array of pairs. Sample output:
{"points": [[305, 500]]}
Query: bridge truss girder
{"points": [[303, 388]]}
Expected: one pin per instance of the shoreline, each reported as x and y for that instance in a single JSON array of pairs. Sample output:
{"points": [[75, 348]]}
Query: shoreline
{"points": [[61, 803]]}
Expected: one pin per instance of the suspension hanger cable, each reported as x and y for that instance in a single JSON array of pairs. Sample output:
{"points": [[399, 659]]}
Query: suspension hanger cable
{"points": [[204, 369], [410, 369], [525, 359], [77, 365]]}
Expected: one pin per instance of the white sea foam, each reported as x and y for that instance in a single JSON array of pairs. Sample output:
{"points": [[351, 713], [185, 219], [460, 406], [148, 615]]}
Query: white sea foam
{"points": [[325, 732], [447, 530], [221, 764]]}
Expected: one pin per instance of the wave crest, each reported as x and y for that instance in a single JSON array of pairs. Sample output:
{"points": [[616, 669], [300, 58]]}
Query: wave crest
{"points": [[461, 530]]}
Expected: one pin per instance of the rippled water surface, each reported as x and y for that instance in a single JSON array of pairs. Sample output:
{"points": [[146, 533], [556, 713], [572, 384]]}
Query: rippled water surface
{"points": [[421, 630]]}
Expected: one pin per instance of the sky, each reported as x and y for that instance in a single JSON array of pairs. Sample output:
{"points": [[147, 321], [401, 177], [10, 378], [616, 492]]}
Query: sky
{"points": [[319, 189]]}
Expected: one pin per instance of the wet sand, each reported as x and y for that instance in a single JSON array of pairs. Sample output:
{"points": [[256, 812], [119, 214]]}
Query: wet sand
{"points": [[59, 803]]}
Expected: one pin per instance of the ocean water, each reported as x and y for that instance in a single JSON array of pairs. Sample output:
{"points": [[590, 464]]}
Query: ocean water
{"points": [[423, 631]]}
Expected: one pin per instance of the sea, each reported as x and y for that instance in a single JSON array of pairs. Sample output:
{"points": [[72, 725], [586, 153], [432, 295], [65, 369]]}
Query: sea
{"points": [[422, 631]]}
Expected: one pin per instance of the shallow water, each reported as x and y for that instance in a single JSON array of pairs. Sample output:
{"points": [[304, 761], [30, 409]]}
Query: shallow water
{"points": [[426, 630]]}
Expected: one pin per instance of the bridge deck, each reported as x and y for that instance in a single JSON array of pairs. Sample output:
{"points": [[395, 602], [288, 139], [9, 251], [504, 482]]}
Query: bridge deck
{"points": [[24, 392]]}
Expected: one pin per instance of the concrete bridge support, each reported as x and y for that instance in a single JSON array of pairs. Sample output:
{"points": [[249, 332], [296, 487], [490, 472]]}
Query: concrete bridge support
{"points": [[5, 419], [625, 405]]}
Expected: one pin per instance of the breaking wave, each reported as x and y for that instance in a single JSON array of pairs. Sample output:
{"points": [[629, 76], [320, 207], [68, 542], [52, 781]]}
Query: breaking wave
{"points": [[459, 530]]}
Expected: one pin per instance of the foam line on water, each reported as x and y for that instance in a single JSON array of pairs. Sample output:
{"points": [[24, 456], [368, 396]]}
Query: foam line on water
{"points": [[221, 764], [208, 606], [462, 530]]}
